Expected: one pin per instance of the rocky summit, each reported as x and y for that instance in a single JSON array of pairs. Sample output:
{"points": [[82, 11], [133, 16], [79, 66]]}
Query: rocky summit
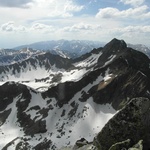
{"points": [[99, 101]]}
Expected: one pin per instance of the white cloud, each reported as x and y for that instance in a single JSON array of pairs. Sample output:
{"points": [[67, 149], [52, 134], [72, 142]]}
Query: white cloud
{"points": [[55, 19], [21, 28], [133, 29], [40, 9], [134, 3], [134, 13], [133, 34], [57, 8], [42, 28], [10, 27], [71, 7], [81, 26], [107, 12]]}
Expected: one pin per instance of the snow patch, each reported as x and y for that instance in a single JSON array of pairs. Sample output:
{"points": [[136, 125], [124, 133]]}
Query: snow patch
{"points": [[111, 58], [10, 130]]}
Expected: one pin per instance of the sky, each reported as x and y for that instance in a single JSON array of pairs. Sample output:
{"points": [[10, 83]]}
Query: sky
{"points": [[28, 21]]}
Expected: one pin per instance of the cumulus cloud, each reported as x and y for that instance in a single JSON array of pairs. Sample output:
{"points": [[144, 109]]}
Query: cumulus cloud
{"points": [[81, 26], [42, 28], [15, 3], [71, 7], [135, 13], [135, 34], [57, 8], [133, 29], [134, 3], [47, 8], [10, 27]]}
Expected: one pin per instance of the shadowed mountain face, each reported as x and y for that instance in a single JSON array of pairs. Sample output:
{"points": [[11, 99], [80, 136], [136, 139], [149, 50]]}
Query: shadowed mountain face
{"points": [[99, 84], [131, 123], [126, 77]]}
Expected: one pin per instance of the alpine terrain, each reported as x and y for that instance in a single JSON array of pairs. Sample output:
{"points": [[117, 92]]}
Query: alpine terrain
{"points": [[98, 101], [141, 47], [65, 48], [9, 56]]}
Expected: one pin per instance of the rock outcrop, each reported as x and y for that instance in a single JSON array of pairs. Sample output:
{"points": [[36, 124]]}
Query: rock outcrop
{"points": [[132, 122]]}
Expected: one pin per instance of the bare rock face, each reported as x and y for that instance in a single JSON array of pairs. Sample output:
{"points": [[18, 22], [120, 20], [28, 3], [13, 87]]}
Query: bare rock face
{"points": [[132, 122], [80, 143]]}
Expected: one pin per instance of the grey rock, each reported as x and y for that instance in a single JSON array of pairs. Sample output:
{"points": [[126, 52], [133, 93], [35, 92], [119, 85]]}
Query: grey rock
{"points": [[132, 122]]}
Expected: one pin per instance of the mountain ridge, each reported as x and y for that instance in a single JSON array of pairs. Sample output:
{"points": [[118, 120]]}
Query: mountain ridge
{"points": [[110, 78], [71, 49]]}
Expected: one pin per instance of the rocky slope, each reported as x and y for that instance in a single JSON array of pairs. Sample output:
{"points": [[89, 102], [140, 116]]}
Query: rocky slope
{"points": [[10, 56], [128, 129], [110, 77], [45, 70], [132, 123]]}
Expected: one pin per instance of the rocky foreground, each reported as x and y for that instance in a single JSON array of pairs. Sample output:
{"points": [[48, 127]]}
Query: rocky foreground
{"points": [[128, 129]]}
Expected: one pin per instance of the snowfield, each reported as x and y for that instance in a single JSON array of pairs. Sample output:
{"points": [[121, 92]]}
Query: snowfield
{"points": [[89, 119], [40, 78], [64, 125]]}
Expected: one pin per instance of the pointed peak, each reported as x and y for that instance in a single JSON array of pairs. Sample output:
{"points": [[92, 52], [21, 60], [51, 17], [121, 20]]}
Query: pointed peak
{"points": [[116, 44]]}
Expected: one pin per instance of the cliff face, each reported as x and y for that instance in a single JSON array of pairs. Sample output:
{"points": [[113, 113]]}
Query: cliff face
{"points": [[125, 75], [128, 129], [132, 123], [127, 90]]}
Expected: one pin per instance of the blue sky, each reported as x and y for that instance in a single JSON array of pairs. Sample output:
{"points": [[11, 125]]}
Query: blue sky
{"points": [[28, 21]]}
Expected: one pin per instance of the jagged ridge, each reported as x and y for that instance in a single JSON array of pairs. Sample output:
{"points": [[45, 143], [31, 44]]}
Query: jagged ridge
{"points": [[115, 76]]}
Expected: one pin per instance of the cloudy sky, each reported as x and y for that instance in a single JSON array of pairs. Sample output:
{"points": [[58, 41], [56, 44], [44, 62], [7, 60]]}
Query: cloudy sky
{"points": [[28, 21]]}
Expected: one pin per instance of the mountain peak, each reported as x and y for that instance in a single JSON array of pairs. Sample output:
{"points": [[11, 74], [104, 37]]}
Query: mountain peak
{"points": [[116, 44], [112, 50]]}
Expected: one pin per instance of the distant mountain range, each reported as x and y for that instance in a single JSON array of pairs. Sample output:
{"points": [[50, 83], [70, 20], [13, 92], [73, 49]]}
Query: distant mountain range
{"points": [[64, 48], [99, 101], [71, 49], [75, 48]]}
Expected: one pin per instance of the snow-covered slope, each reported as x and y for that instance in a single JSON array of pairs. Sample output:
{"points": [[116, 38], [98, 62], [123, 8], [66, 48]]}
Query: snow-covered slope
{"points": [[61, 126], [83, 95], [46, 70], [10, 56]]}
